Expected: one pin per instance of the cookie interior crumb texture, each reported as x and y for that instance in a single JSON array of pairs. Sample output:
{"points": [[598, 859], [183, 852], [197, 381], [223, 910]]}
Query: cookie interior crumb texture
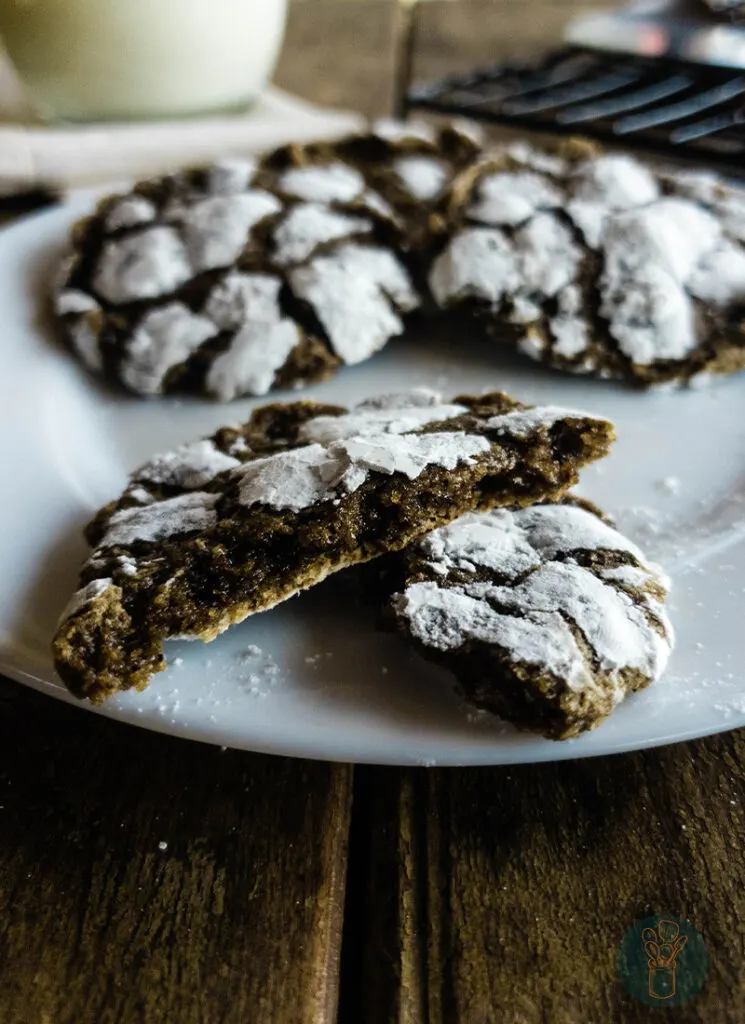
{"points": [[547, 615], [231, 525]]}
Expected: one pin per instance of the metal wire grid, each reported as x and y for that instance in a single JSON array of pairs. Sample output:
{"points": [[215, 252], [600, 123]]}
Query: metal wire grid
{"points": [[679, 108]]}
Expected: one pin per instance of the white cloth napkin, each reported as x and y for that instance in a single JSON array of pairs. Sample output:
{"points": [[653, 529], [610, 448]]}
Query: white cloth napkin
{"points": [[64, 157]]}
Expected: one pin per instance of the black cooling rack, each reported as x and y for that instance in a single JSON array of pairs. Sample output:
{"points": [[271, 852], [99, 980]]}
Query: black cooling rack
{"points": [[682, 109]]}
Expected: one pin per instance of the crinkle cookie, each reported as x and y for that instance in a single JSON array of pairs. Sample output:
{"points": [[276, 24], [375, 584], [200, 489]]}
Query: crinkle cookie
{"points": [[201, 282], [547, 615], [233, 280], [231, 525], [407, 165], [595, 263]]}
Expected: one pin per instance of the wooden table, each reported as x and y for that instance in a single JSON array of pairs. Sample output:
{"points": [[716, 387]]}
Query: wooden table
{"points": [[148, 880]]}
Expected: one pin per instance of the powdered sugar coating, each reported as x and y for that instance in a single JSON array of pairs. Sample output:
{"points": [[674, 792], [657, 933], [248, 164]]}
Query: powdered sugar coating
{"points": [[650, 256], [230, 176], [127, 565], [145, 265], [512, 198], [617, 630], [189, 466], [217, 229], [130, 211], [140, 494], [163, 243], [165, 338], [485, 263], [263, 339], [204, 233], [571, 336], [160, 520], [548, 256], [303, 477], [448, 619], [355, 292], [525, 583], [375, 203], [422, 176], [323, 183], [250, 363], [309, 225], [240, 298], [72, 300], [391, 130], [85, 341], [394, 419], [569, 329], [522, 423], [536, 159], [664, 242], [413, 399], [605, 185], [477, 541], [477, 263], [85, 596]]}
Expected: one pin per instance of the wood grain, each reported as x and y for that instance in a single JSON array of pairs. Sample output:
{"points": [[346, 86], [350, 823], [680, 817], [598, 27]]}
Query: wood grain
{"points": [[237, 919], [341, 54], [514, 886], [344, 54], [453, 37]]}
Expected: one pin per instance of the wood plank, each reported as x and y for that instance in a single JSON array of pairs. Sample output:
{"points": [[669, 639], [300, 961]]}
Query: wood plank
{"points": [[514, 885], [340, 54], [238, 918], [344, 54], [453, 37]]}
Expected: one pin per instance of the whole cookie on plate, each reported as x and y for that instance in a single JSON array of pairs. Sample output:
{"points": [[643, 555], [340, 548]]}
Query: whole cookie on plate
{"points": [[199, 281], [235, 279], [596, 263], [231, 525], [547, 615]]}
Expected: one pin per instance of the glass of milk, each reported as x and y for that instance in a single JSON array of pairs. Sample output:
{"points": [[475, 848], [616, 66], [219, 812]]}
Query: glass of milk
{"points": [[85, 60]]}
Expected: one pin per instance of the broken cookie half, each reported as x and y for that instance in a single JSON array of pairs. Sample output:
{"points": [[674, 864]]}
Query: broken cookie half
{"points": [[231, 525], [547, 615]]}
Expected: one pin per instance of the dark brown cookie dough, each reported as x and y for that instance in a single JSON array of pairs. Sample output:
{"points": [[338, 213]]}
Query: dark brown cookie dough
{"points": [[231, 525], [547, 615]]}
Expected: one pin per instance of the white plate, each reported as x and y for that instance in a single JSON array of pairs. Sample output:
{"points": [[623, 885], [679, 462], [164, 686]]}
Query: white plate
{"points": [[326, 684]]}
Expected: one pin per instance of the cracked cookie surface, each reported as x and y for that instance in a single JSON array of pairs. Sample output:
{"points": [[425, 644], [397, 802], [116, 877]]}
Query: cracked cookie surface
{"points": [[243, 277], [547, 615], [597, 264], [231, 525]]}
